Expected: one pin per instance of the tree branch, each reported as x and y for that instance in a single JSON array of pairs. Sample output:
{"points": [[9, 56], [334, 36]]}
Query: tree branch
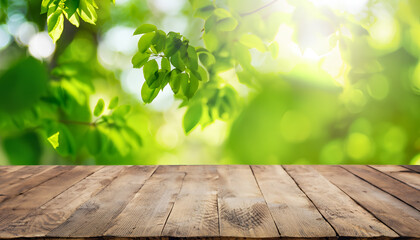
{"points": [[258, 9]]}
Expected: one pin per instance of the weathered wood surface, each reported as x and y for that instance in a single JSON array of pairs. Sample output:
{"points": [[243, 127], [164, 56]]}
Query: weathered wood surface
{"points": [[209, 202]]}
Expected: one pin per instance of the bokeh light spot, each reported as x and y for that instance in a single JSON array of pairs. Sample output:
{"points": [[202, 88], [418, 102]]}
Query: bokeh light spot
{"points": [[358, 146]]}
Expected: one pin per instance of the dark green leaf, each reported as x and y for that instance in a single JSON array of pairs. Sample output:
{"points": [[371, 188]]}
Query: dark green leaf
{"points": [[149, 71], [177, 61]]}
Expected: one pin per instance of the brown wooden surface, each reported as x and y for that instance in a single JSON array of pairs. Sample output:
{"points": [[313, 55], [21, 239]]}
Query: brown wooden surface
{"points": [[209, 202]]}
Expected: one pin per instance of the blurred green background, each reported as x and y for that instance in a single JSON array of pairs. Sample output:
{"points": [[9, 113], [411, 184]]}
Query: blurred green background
{"points": [[341, 85]]}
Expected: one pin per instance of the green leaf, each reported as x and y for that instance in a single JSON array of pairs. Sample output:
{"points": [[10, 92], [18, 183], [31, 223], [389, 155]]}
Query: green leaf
{"points": [[44, 5], [99, 108], [149, 71], [70, 7], [148, 94], [23, 149], [165, 64], [189, 85], [221, 13], [66, 143], [122, 110], [227, 24], [252, 41], [95, 141], [192, 58], [172, 45], [53, 139], [22, 85], [192, 117], [145, 41], [175, 81], [177, 61], [159, 41], [206, 58], [145, 28], [210, 23], [204, 76], [140, 59], [113, 103], [204, 12], [55, 23], [87, 11]]}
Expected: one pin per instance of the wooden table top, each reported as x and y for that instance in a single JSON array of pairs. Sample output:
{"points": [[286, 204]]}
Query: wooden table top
{"points": [[238, 201]]}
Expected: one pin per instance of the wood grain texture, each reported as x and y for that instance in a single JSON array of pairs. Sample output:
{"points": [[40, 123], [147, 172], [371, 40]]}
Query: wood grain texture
{"points": [[209, 202], [27, 202], [403, 219], [346, 216], [147, 212], [95, 216], [194, 213], [403, 174], [50, 215], [8, 169], [293, 212], [15, 188], [22, 173], [388, 184], [242, 208], [415, 168]]}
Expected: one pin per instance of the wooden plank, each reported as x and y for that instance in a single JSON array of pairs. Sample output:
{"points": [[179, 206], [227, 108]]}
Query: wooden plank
{"points": [[5, 169], [50, 215], [402, 218], [93, 217], [404, 175], [293, 212], [242, 208], [346, 216], [20, 174], [194, 213], [19, 187], [415, 168], [388, 184], [147, 212], [29, 201]]}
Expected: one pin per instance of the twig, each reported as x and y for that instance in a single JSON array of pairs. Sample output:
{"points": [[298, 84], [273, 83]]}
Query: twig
{"points": [[259, 9], [77, 122]]}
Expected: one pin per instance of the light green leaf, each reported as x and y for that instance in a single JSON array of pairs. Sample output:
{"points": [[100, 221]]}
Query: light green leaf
{"points": [[99, 108], [140, 59], [159, 41], [252, 41], [192, 117], [55, 23], [145, 41], [165, 64], [53, 139], [145, 28], [227, 24], [148, 94], [113, 103], [87, 11], [221, 13]]}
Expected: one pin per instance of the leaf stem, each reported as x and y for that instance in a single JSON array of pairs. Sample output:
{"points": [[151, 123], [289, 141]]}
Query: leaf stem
{"points": [[77, 122], [259, 9]]}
